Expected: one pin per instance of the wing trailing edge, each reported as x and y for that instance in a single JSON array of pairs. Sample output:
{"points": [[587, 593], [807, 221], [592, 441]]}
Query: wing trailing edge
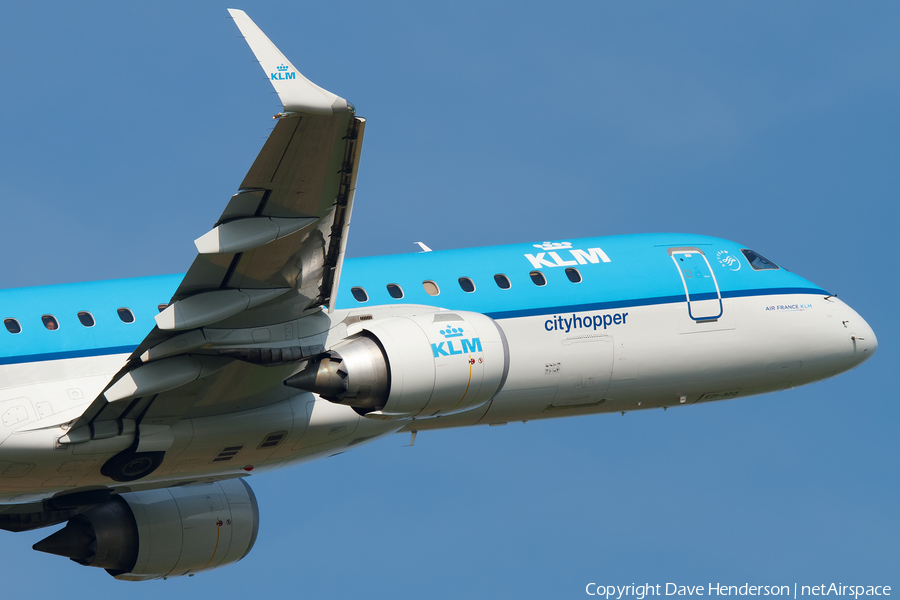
{"points": [[272, 259]]}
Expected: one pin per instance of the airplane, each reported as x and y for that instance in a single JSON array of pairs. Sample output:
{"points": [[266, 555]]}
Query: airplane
{"points": [[135, 410]]}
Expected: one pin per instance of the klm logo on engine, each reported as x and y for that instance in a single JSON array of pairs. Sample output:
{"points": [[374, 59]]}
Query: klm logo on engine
{"points": [[558, 255], [456, 343], [283, 73]]}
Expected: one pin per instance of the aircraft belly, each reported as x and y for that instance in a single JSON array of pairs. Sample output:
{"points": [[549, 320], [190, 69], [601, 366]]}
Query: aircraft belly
{"points": [[33, 465]]}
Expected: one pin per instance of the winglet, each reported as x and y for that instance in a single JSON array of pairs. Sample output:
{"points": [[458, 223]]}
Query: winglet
{"points": [[297, 93]]}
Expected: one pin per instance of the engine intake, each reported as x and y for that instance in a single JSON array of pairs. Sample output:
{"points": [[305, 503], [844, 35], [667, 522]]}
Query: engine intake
{"points": [[434, 363]]}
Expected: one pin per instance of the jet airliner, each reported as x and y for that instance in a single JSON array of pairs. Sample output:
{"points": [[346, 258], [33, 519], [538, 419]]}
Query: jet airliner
{"points": [[134, 411]]}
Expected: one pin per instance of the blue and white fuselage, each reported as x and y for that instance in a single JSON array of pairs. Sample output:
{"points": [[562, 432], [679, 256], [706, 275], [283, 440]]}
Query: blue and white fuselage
{"points": [[589, 326], [133, 410]]}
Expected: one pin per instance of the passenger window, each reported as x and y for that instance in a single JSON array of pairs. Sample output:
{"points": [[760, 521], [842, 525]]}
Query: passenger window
{"points": [[757, 261], [12, 326], [502, 281], [126, 315], [360, 294], [395, 291], [467, 285], [431, 288], [86, 318], [573, 275], [538, 278], [50, 322]]}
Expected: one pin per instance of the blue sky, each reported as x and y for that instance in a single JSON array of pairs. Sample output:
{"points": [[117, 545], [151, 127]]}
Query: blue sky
{"points": [[126, 127]]}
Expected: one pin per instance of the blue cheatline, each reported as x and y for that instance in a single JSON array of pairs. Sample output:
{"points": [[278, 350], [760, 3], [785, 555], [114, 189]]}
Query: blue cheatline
{"points": [[639, 272]]}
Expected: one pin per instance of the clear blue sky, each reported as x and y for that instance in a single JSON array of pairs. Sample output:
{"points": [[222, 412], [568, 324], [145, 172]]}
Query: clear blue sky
{"points": [[127, 126]]}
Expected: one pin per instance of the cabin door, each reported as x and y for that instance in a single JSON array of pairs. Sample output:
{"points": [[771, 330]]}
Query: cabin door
{"points": [[704, 300]]}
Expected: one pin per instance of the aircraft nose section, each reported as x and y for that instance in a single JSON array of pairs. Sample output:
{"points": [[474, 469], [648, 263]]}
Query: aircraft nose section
{"points": [[863, 342]]}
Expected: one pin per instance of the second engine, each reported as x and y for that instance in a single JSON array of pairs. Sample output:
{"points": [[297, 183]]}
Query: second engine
{"points": [[168, 532]]}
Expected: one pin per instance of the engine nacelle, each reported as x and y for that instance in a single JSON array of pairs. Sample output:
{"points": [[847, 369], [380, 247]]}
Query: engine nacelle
{"points": [[162, 533], [428, 364]]}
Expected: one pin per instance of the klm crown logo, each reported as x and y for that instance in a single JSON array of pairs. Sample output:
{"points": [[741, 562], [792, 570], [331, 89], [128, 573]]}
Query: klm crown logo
{"points": [[554, 246], [450, 334], [282, 73]]}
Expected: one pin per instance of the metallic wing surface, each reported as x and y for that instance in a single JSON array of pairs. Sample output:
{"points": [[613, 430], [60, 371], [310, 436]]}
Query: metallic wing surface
{"points": [[273, 256]]}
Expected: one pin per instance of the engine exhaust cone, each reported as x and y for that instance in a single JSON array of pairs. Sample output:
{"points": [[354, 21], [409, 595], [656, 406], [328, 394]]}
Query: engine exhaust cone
{"points": [[355, 373], [104, 535], [324, 377], [76, 541]]}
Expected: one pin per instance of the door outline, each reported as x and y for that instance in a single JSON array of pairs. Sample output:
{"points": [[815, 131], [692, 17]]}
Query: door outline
{"points": [[586, 367], [689, 251]]}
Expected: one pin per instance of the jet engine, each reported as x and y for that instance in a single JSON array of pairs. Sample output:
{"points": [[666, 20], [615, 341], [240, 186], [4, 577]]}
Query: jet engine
{"points": [[152, 534], [428, 364]]}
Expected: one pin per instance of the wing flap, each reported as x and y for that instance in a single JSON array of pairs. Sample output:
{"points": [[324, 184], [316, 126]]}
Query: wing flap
{"points": [[306, 170]]}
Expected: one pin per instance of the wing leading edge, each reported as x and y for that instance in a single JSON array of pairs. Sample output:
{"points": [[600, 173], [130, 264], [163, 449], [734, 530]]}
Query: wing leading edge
{"points": [[273, 256]]}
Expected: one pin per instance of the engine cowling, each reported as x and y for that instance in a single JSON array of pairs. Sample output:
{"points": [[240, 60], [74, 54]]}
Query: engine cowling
{"points": [[169, 532], [428, 364]]}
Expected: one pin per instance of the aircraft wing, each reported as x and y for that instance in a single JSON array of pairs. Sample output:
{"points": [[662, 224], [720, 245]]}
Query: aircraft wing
{"points": [[273, 256]]}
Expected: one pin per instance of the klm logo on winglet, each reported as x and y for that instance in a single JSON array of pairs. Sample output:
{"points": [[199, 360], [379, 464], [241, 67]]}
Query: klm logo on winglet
{"points": [[558, 254], [282, 73], [465, 345]]}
